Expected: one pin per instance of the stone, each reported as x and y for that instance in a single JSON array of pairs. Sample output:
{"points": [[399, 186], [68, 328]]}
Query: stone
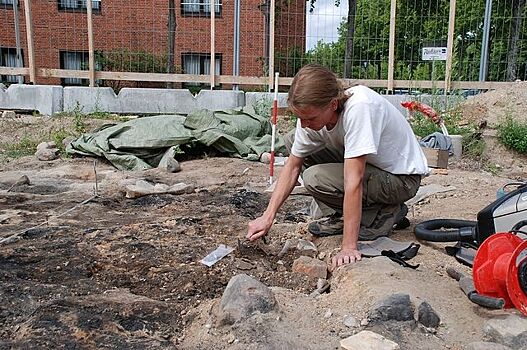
{"points": [[265, 158], [510, 331], [367, 340], [161, 188], [9, 114], [243, 297], [181, 188], [22, 180], [484, 345], [311, 267], [47, 154], [397, 307], [427, 316], [170, 166], [46, 145], [140, 188], [306, 248], [350, 322]]}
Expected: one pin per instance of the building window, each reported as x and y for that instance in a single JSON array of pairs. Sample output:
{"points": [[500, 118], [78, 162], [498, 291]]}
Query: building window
{"points": [[74, 60], [8, 4], [200, 8], [199, 64], [8, 59], [78, 5]]}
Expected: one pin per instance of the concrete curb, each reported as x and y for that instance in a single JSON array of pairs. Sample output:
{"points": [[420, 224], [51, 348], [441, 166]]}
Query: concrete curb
{"points": [[46, 99], [148, 101], [49, 99]]}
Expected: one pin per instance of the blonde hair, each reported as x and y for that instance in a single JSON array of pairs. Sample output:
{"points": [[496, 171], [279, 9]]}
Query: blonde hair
{"points": [[315, 85]]}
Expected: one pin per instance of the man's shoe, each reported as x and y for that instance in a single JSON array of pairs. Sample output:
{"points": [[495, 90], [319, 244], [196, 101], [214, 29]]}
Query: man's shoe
{"points": [[389, 218], [325, 227], [401, 221]]}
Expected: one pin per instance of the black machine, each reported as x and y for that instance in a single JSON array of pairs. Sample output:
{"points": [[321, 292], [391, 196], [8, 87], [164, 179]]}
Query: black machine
{"points": [[508, 213]]}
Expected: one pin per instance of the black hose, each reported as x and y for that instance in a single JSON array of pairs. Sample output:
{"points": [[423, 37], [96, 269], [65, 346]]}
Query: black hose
{"points": [[456, 230]]}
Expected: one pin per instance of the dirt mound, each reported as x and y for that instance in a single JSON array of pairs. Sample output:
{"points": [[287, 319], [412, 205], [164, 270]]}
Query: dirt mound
{"points": [[493, 106]]}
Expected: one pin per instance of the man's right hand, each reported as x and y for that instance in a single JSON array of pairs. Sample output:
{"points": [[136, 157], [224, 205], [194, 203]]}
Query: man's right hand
{"points": [[259, 227]]}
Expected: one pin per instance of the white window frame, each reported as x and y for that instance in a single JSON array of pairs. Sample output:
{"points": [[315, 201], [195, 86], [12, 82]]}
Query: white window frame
{"points": [[200, 8], [200, 64], [8, 59], [78, 5]]}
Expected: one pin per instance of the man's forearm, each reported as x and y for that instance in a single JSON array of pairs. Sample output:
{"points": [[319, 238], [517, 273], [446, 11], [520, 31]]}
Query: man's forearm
{"points": [[352, 212]]}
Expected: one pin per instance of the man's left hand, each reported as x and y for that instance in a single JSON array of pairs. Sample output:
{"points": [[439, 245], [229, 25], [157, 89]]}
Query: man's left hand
{"points": [[345, 257]]}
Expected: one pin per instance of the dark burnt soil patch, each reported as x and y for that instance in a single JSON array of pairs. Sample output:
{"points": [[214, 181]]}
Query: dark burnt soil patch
{"points": [[63, 284]]}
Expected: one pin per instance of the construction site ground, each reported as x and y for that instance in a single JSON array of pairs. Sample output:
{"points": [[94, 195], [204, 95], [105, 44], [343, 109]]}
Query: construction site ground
{"points": [[106, 271]]}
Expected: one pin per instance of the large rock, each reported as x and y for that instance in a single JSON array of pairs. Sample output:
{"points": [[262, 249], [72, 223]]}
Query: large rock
{"points": [[396, 307], [367, 340], [47, 151], [243, 297], [510, 331]]}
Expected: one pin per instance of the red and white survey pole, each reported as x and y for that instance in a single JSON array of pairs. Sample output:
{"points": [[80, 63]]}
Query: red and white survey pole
{"points": [[273, 128]]}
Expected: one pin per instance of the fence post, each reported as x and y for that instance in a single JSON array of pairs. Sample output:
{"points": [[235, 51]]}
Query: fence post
{"points": [[19, 64], [271, 43], [30, 47], [91, 54], [236, 48], [212, 42], [450, 45], [391, 49]]}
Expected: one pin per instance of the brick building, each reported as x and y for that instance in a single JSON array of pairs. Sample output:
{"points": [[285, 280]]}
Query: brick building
{"points": [[133, 36]]}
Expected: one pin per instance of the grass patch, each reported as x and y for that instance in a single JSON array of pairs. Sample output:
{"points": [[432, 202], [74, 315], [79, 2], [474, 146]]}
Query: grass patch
{"points": [[513, 134], [25, 147]]}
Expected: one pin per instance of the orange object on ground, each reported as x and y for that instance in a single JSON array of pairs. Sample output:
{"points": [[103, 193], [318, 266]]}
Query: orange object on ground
{"points": [[413, 106], [500, 270]]}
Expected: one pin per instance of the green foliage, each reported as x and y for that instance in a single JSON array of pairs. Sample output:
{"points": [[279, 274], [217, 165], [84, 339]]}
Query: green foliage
{"points": [[124, 60], [474, 146], [419, 24], [513, 134], [78, 119], [129, 61], [58, 137], [25, 147], [423, 126]]}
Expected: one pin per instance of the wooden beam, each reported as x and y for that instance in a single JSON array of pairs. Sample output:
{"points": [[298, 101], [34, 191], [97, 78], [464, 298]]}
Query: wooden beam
{"points": [[91, 53], [231, 79], [450, 45], [14, 71], [30, 45], [391, 47]]}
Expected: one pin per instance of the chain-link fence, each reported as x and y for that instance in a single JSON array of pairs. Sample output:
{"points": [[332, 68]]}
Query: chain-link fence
{"points": [[396, 44]]}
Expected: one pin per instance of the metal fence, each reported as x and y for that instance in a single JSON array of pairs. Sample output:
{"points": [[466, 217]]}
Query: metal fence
{"points": [[397, 45]]}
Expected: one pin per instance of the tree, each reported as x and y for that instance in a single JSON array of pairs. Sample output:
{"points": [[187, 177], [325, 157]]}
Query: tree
{"points": [[350, 24]]}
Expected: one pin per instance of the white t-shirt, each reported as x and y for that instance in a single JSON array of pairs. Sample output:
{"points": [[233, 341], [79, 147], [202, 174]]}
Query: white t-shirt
{"points": [[369, 125]]}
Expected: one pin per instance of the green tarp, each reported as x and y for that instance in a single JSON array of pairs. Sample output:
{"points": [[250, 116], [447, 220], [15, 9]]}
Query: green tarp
{"points": [[141, 143]]}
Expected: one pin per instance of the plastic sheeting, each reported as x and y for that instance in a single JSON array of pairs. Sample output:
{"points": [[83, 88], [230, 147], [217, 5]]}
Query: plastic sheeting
{"points": [[141, 143]]}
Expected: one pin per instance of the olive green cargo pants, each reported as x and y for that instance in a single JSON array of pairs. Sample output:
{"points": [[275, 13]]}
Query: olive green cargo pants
{"points": [[382, 196]]}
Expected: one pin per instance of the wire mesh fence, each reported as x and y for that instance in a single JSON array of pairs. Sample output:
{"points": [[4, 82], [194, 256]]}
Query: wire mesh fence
{"points": [[397, 44]]}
